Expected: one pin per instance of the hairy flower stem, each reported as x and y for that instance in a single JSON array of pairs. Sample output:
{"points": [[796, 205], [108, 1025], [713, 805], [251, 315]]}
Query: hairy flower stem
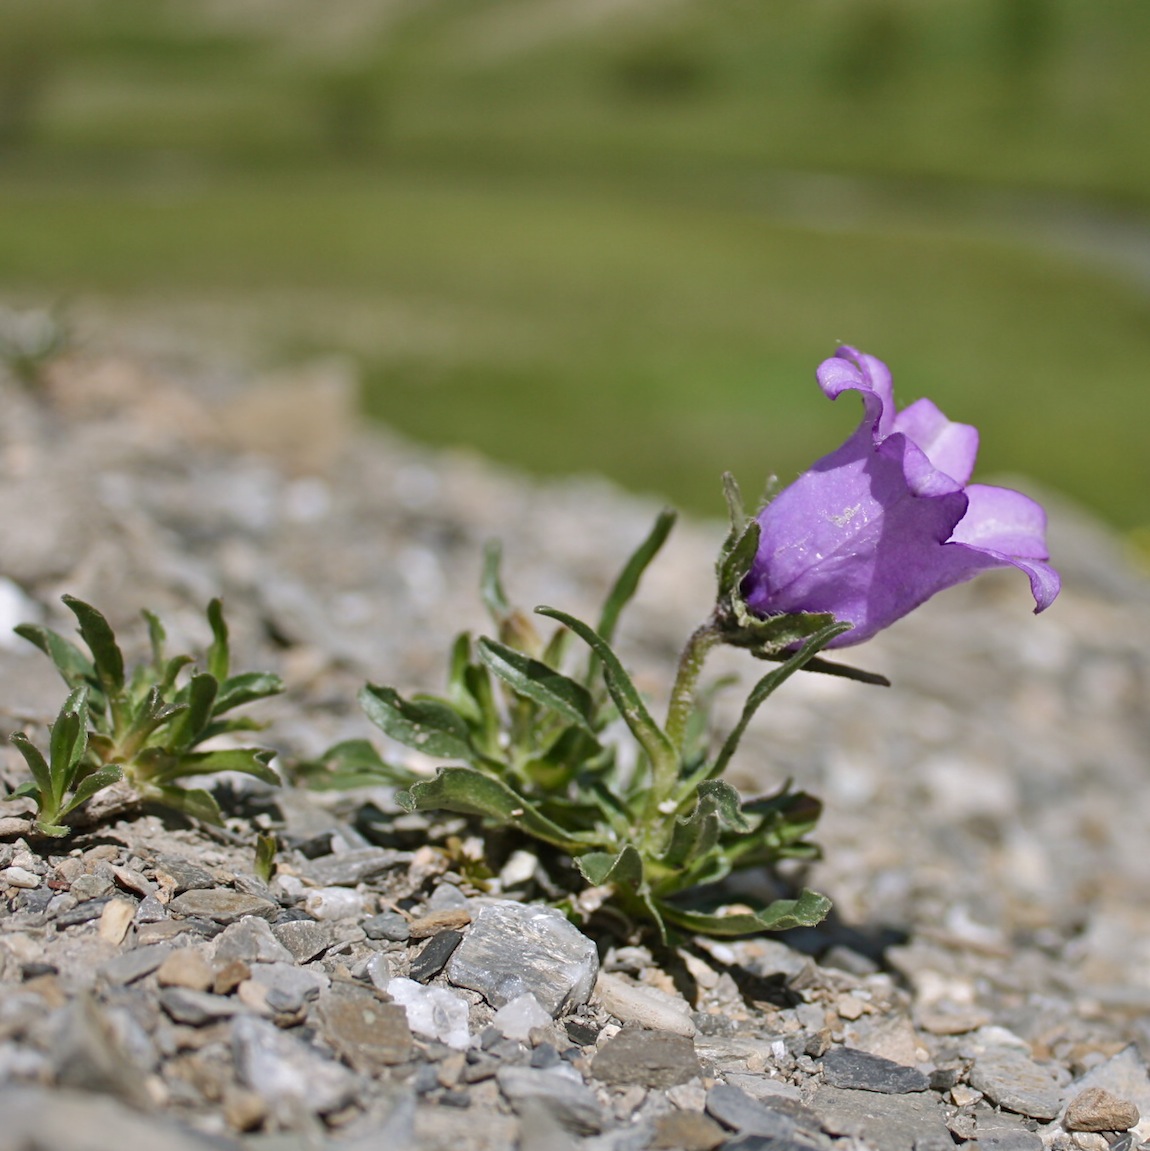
{"points": [[703, 638]]}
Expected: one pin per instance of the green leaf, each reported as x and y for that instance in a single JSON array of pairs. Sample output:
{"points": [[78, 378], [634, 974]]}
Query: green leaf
{"points": [[769, 683], [628, 581], [237, 690], [249, 760], [470, 792], [199, 696], [627, 699], [265, 860], [538, 682], [424, 724], [55, 830], [623, 868], [41, 773], [490, 584], [218, 656], [70, 661], [101, 640], [189, 801], [717, 807], [355, 763], [27, 790], [157, 637], [806, 911], [91, 784]]}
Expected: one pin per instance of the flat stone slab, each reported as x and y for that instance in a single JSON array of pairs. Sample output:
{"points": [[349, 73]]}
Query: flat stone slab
{"points": [[861, 1071], [221, 905], [658, 1059], [513, 948], [1010, 1079], [888, 1122]]}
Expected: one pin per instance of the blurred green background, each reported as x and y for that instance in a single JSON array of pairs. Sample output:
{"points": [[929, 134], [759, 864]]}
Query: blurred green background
{"points": [[618, 235]]}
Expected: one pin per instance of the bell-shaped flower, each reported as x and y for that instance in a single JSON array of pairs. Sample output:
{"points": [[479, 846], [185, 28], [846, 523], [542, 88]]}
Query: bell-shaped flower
{"points": [[875, 528]]}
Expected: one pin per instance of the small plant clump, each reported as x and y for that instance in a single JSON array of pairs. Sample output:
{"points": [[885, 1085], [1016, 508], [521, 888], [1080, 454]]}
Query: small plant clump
{"points": [[535, 739], [142, 732]]}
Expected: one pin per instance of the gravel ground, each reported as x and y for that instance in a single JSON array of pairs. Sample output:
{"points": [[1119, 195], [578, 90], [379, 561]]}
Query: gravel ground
{"points": [[984, 979]]}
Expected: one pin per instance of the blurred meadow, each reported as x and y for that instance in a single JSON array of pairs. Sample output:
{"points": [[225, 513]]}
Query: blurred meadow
{"points": [[618, 235]]}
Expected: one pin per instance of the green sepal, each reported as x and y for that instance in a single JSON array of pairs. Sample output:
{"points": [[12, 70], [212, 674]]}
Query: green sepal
{"points": [[97, 633], [90, 784], [808, 910], [736, 560], [470, 792], [538, 682], [426, 725], [631, 706], [627, 582], [842, 671], [623, 868]]}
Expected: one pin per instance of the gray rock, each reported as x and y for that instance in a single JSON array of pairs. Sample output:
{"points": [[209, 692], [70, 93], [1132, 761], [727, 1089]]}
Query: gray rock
{"points": [[512, 948], [433, 958], [735, 1109], [304, 938], [65, 1120], [1097, 1109], [196, 1008], [368, 1033], [286, 1073], [657, 1059], [221, 905], [87, 1055], [352, 867], [133, 965], [294, 986], [188, 876], [861, 1071], [250, 940], [567, 1099], [388, 925], [1012, 1080], [999, 1132], [888, 1122]]}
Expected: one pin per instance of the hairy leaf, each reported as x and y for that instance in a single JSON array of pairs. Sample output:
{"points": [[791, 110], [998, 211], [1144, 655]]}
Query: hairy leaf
{"points": [[627, 582], [424, 724], [808, 910], [97, 633], [470, 792], [623, 867], [218, 655], [538, 682]]}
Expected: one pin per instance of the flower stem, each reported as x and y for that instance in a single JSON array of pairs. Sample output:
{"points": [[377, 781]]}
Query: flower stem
{"points": [[703, 638]]}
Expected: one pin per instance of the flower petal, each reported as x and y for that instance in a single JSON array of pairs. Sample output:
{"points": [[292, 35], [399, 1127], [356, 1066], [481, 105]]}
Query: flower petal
{"points": [[951, 447], [851, 370]]}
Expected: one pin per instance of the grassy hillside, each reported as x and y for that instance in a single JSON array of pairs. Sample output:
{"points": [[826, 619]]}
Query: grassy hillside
{"points": [[572, 236]]}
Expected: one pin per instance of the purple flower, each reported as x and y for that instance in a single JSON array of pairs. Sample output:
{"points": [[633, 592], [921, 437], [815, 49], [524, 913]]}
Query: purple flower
{"points": [[878, 526]]}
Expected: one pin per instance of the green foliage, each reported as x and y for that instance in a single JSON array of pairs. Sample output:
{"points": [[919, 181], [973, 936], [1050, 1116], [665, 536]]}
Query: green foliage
{"points": [[69, 777], [531, 752], [145, 727]]}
